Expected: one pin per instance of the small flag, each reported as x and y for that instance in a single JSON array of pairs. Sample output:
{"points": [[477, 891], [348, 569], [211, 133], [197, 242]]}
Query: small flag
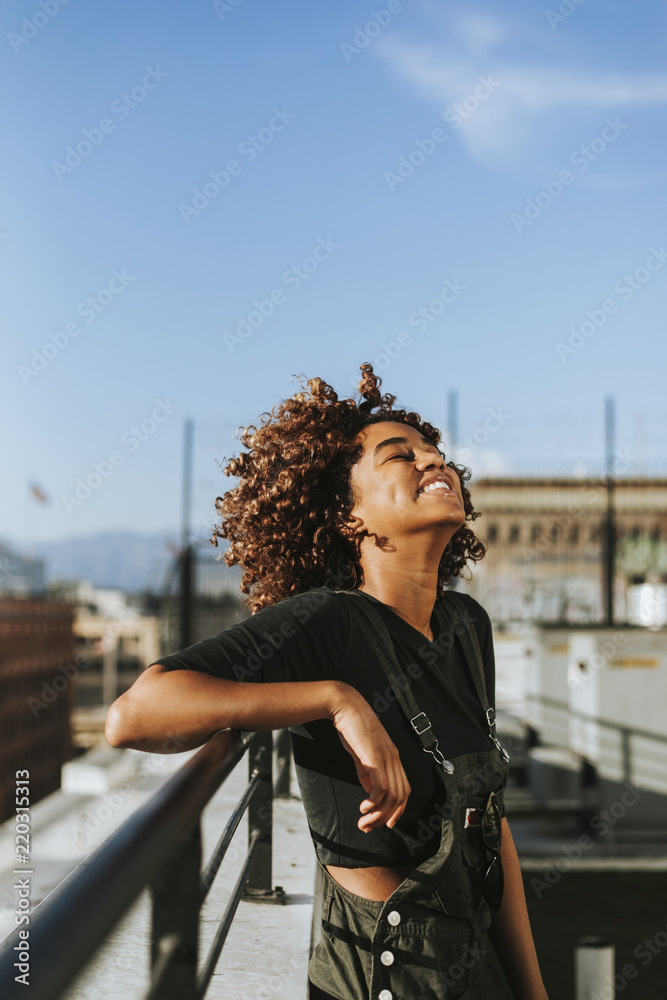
{"points": [[38, 494]]}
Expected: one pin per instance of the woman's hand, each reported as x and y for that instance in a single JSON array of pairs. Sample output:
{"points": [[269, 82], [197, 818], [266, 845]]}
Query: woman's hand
{"points": [[376, 759]]}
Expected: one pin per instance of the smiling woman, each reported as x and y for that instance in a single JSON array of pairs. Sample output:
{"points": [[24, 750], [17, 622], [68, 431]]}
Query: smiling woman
{"points": [[348, 523], [306, 447]]}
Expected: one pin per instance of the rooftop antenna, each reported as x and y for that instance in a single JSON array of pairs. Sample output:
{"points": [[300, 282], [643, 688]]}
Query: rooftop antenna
{"points": [[609, 555], [453, 418], [187, 552]]}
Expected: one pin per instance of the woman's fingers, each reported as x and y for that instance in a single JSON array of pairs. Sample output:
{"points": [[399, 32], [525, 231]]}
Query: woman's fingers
{"points": [[376, 759], [387, 801]]}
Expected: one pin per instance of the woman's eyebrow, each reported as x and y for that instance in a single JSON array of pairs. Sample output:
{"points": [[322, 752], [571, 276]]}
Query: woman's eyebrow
{"points": [[400, 440]]}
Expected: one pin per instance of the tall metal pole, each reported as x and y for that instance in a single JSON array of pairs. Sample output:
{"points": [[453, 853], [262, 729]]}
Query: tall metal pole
{"points": [[187, 482], [452, 448], [453, 418], [610, 521], [187, 553]]}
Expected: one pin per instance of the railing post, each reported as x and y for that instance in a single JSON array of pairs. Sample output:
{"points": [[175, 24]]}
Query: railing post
{"points": [[260, 817], [284, 756], [176, 896], [626, 744]]}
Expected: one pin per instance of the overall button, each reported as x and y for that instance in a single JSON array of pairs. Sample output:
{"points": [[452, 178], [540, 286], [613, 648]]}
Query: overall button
{"points": [[385, 995], [394, 918], [387, 958]]}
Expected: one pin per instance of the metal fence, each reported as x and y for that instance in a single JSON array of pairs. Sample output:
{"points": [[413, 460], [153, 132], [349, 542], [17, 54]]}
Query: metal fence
{"points": [[159, 847]]}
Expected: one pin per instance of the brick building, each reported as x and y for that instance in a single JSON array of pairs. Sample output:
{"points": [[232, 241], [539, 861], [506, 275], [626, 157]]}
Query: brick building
{"points": [[36, 647]]}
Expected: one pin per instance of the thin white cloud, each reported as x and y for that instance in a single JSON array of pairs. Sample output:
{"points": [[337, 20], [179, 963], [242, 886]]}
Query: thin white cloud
{"points": [[519, 114], [479, 32]]}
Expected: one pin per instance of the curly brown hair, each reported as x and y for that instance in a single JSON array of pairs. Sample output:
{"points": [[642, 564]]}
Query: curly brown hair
{"points": [[286, 519]]}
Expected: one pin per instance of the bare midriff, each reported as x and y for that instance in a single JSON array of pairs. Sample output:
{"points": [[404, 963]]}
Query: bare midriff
{"points": [[370, 883]]}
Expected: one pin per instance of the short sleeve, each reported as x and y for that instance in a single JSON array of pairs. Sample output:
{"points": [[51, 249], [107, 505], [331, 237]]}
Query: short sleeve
{"points": [[299, 638]]}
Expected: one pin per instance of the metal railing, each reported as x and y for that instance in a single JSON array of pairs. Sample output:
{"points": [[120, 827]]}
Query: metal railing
{"points": [[159, 847], [626, 733], [636, 755]]}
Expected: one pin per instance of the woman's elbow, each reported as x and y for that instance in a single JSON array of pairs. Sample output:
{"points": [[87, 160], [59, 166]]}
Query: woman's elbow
{"points": [[117, 727], [129, 719], [120, 725]]}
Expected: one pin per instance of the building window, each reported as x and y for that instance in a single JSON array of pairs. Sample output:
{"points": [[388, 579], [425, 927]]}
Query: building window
{"points": [[492, 533], [514, 534], [574, 534], [534, 533]]}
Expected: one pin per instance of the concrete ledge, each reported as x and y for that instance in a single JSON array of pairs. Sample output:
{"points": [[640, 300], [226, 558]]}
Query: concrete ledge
{"points": [[593, 864], [266, 954], [97, 771]]}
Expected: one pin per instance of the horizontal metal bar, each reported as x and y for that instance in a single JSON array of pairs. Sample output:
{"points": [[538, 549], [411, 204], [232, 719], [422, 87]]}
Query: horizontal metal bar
{"points": [[168, 951], [204, 977], [564, 705], [230, 829], [69, 925]]}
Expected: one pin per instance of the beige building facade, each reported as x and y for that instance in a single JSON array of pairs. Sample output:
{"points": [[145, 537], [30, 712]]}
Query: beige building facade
{"points": [[546, 547]]}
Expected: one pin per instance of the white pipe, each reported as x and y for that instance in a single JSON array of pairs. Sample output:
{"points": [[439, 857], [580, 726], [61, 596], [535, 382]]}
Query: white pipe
{"points": [[594, 969]]}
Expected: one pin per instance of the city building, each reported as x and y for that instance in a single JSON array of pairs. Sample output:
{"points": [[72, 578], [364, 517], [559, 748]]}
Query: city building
{"points": [[546, 549], [37, 672], [19, 575]]}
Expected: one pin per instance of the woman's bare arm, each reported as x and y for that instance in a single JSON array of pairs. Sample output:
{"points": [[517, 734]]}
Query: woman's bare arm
{"points": [[167, 711], [188, 706], [510, 931]]}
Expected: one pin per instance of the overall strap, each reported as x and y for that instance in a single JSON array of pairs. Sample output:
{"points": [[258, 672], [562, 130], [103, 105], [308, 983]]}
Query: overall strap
{"points": [[464, 628], [377, 636]]}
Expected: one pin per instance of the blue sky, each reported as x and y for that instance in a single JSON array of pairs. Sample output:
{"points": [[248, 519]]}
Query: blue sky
{"points": [[471, 195]]}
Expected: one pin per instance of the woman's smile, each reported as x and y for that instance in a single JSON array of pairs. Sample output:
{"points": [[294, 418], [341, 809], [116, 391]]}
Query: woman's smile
{"points": [[439, 486]]}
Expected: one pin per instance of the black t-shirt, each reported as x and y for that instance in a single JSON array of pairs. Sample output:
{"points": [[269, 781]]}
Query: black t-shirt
{"points": [[313, 636]]}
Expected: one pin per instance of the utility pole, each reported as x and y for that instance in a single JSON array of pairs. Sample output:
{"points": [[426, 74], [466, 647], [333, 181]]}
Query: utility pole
{"points": [[609, 559], [187, 552]]}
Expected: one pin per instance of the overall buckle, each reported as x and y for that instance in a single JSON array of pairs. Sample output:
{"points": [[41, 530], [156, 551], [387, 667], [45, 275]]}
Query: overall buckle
{"points": [[421, 727]]}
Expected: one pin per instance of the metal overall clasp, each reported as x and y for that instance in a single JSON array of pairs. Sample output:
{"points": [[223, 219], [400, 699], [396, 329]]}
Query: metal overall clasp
{"points": [[491, 722], [421, 724]]}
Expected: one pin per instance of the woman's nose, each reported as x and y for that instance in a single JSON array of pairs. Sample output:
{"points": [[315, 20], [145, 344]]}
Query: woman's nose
{"points": [[428, 459]]}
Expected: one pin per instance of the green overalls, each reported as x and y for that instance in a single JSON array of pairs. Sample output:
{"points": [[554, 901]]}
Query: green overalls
{"points": [[428, 940]]}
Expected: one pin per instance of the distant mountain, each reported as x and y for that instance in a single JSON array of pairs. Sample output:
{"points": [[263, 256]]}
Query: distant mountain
{"points": [[118, 559], [122, 560]]}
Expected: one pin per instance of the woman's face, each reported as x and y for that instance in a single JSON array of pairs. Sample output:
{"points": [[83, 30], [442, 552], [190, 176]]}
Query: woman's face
{"points": [[402, 485]]}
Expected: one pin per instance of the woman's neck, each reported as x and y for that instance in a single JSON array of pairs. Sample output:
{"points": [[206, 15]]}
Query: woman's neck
{"points": [[409, 591]]}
